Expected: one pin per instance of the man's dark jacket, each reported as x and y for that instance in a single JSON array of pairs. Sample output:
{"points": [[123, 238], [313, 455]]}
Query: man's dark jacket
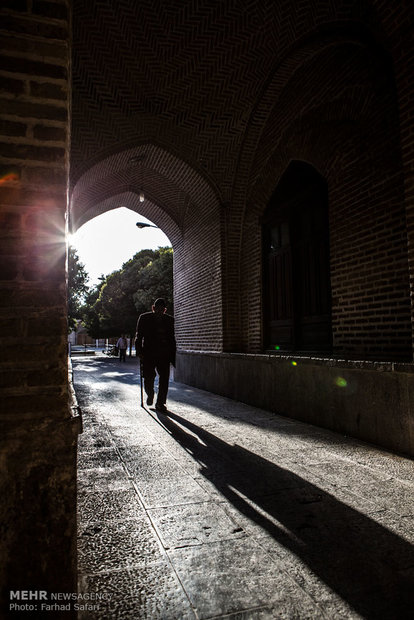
{"points": [[155, 337]]}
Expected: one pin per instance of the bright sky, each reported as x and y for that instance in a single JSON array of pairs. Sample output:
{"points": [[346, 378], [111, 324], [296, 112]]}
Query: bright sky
{"points": [[109, 240]]}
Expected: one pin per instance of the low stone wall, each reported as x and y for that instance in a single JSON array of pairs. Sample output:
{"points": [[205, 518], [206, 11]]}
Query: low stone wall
{"points": [[371, 401]]}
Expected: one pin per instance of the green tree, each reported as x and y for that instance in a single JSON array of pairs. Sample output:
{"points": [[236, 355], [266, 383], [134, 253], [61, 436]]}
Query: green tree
{"points": [[113, 307], [90, 317], [156, 280], [77, 287]]}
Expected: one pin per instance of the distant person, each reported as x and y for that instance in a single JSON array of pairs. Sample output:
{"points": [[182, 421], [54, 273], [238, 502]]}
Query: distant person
{"points": [[122, 345], [155, 345]]}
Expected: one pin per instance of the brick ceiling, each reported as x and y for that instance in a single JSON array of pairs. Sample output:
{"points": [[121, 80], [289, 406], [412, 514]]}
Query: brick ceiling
{"points": [[183, 73], [184, 76]]}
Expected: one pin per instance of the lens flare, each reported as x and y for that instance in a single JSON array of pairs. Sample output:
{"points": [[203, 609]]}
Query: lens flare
{"points": [[7, 178], [294, 363], [341, 382], [276, 347]]}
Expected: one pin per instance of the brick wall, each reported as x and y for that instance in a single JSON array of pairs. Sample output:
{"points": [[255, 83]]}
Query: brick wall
{"points": [[187, 208], [337, 109], [33, 172], [38, 435], [330, 84], [197, 282], [403, 61], [318, 82]]}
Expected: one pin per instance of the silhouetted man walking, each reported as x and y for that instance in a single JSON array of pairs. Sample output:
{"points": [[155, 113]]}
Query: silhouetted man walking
{"points": [[155, 345]]}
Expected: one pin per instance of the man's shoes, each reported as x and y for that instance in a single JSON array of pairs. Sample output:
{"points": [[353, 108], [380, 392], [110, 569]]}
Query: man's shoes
{"points": [[161, 408], [150, 399]]}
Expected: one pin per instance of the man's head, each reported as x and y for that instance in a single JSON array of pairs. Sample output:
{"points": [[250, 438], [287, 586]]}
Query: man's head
{"points": [[159, 306]]}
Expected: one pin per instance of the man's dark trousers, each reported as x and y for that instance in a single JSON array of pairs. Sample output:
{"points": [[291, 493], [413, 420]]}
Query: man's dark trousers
{"points": [[162, 366]]}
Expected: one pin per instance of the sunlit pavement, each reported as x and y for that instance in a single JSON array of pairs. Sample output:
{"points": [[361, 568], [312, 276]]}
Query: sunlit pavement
{"points": [[221, 510]]}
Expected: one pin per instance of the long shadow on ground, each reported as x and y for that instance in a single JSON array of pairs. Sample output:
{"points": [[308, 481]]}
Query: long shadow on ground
{"points": [[367, 565]]}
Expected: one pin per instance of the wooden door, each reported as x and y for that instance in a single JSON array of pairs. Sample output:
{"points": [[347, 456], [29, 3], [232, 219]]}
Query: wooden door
{"points": [[297, 294]]}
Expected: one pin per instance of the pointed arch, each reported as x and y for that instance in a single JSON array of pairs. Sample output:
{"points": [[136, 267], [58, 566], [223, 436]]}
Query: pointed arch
{"points": [[187, 207], [296, 271]]}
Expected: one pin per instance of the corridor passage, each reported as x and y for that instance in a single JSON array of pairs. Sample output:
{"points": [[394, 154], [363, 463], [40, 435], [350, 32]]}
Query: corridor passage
{"points": [[221, 510]]}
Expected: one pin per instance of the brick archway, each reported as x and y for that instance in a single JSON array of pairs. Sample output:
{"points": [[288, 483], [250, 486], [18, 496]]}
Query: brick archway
{"points": [[204, 90], [335, 120], [187, 207]]}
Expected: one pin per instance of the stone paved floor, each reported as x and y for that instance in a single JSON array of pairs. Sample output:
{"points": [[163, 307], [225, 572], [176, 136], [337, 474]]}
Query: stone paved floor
{"points": [[221, 510]]}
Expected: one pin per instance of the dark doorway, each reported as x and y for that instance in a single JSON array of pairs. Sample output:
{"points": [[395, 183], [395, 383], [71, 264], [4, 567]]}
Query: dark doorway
{"points": [[297, 292]]}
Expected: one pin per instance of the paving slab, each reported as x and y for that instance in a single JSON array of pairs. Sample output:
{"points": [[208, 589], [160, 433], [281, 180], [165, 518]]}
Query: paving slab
{"points": [[194, 524], [103, 478], [221, 510], [227, 576], [149, 591], [108, 504], [168, 492], [116, 544]]}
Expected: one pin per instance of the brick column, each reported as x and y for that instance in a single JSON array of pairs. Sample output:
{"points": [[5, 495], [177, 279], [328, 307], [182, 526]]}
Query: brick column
{"points": [[38, 431], [404, 67]]}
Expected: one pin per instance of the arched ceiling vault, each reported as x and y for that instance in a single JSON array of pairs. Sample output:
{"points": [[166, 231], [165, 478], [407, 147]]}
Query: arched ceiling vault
{"points": [[170, 187], [180, 74], [148, 209], [183, 83]]}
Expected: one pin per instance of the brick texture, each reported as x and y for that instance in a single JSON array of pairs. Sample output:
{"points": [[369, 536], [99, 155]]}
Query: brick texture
{"points": [[190, 217], [38, 438], [337, 108], [33, 158], [233, 95], [203, 105]]}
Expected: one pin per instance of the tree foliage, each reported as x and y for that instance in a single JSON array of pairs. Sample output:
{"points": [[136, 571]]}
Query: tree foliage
{"points": [[77, 287], [89, 314], [113, 307], [155, 280]]}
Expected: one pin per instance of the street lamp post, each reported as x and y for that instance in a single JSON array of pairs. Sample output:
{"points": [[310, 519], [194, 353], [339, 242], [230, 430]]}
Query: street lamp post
{"points": [[145, 225]]}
